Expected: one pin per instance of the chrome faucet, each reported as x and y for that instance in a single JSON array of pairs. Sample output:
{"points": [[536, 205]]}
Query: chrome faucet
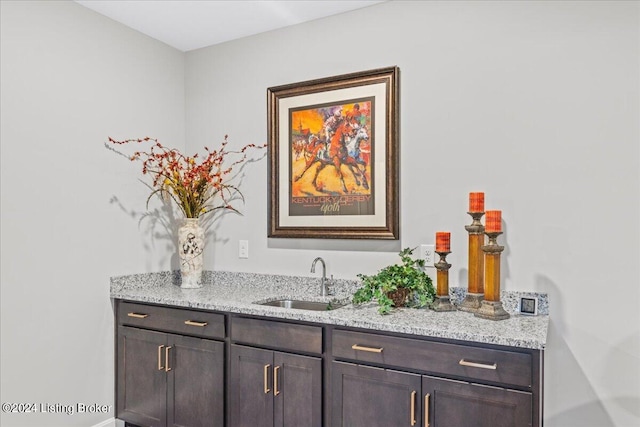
{"points": [[323, 283]]}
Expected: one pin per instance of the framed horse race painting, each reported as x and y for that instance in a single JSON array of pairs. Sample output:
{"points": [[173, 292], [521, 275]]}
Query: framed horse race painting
{"points": [[333, 157]]}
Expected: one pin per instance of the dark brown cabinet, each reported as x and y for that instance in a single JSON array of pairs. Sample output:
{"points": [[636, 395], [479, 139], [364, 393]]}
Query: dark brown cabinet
{"points": [[371, 389], [192, 368], [365, 396], [165, 379], [142, 381], [271, 388], [462, 404], [274, 389]]}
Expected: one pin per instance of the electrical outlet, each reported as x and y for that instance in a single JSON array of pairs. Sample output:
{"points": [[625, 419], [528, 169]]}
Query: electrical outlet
{"points": [[243, 249], [428, 254]]}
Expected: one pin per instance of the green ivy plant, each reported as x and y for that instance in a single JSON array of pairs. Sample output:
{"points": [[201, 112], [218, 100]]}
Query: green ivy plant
{"points": [[407, 275]]}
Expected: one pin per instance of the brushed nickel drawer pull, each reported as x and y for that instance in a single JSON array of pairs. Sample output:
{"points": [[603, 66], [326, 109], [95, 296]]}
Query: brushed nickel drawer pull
{"points": [[160, 367], [266, 379], [195, 323], [369, 349], [138, 315], [426, 410], [166, 359], [478, 365], [413, 408]]}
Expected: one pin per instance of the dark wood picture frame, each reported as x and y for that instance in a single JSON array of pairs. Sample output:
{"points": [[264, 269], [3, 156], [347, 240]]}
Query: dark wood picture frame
{"points": [[322, 182]]}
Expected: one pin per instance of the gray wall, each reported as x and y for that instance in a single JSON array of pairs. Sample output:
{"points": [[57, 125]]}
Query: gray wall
{"points": [[534, 103], [71, 78]]}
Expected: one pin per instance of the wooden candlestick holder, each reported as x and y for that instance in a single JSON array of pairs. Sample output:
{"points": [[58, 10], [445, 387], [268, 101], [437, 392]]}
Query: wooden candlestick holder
{"points": [[443, 302], [475, 287], [491, 307]]}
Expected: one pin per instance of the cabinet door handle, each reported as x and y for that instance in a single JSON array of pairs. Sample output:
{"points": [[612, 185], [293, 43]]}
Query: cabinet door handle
{"points": [[166, 359], [266, 379], [275, 381], [413, 408], [478, 365], [195, 323], [369, 349], [426, 410], [160, 367], [138, 315]]}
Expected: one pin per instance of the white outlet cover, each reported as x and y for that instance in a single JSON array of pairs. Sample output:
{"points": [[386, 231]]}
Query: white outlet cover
{"points": [[428, 254], [243, 249]]}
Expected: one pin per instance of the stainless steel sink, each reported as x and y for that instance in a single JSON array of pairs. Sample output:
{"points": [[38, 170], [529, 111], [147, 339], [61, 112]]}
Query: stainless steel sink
{"points": [[304, 305]]}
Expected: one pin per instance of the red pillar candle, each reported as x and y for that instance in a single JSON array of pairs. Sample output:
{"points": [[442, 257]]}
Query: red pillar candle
{"points": [[443, 241], [476, 202], [493, 223]]}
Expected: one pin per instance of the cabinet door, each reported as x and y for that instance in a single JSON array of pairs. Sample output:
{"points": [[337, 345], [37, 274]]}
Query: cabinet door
{"points": [[142, 382], [364, 396], [462, 404], [251, 387], [297, 391], [195, 382]]}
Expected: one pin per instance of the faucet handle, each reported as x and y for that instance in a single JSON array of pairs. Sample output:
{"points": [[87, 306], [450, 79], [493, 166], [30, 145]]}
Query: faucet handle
{"points": [[329, 286]]}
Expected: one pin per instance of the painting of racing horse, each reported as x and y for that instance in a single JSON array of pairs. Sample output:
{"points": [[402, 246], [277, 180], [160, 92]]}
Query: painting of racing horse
{"points": [[298, 148], [337, 156], [354, 152], [315, 147]]}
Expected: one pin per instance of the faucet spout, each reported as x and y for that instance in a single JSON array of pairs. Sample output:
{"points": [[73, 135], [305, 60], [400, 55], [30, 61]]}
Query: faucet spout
{"points": [[323, 283]]}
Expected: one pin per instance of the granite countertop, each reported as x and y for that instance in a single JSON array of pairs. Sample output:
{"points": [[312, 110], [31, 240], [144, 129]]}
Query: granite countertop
{"points": [[242, 292]]}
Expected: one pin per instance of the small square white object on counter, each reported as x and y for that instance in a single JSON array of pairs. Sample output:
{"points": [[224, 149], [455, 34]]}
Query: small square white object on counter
{"points": [[528, 306]]}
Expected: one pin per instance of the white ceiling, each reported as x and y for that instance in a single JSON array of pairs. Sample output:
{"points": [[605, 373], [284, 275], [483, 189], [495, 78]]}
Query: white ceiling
{"points": [[189, 24]]}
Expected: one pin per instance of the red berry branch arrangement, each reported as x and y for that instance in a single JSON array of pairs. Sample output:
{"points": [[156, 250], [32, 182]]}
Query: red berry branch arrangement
{"points": [[197, 188]]}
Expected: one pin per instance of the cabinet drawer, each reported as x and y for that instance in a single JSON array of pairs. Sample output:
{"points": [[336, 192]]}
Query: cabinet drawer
{"points": [[278, 335], [177, 320], [462, 361]]}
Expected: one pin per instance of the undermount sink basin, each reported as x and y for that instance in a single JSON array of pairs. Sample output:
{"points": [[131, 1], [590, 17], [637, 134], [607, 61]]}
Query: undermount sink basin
{"points": [[303, 305]]}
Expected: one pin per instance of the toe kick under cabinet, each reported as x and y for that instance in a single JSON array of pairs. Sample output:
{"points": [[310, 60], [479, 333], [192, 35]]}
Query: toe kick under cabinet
{"points": [[191, 368]]}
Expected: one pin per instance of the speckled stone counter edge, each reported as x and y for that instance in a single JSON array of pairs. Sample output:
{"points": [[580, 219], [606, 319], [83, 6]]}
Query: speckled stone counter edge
{"points": [[238, 292]]}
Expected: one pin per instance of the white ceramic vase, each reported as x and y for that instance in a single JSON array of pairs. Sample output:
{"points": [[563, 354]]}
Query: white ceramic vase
{"points": [[190, 252]]}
